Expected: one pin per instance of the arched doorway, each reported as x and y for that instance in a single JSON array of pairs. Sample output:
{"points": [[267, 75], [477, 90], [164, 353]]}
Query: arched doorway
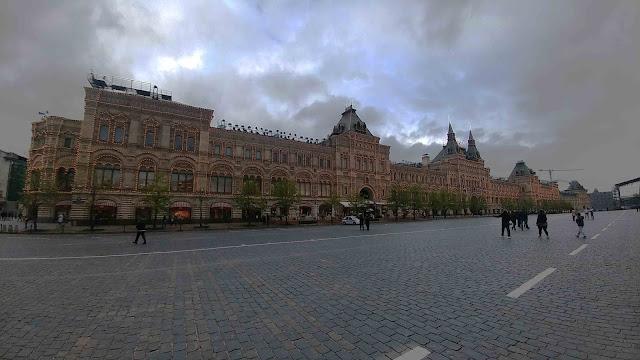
{"points": [[366, 193]]}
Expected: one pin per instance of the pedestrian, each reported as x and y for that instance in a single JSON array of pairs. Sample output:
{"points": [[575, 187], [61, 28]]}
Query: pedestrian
{"points": [[525, 219], [542, 224], [591, 212], [164, 221], [367, 222], [506, 218], [60, 221], [580, 223], [513, 218], [519, 219], [361, 221], [573, 215], [141, 228]]}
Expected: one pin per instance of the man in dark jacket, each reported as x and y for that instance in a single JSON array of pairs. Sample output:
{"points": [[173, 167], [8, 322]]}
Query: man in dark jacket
{"points": [[141, 229], [580, 223], [506, 218], [367, 221], [541, 222], [513, 218]]}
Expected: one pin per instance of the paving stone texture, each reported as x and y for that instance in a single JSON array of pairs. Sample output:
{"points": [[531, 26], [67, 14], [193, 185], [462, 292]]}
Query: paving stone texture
{"points": [[327, 292]]}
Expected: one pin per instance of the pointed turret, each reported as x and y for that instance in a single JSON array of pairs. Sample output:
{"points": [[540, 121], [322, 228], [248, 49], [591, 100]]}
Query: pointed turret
{"points": [[472, 150], [451, 148], [451, 135]]}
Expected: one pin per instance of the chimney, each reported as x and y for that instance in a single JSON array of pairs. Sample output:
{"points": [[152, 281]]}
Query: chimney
{"points": [[425, 160]]}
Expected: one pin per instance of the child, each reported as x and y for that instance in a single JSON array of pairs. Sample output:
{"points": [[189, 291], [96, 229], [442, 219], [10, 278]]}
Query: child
{"points": [[580, 222]]}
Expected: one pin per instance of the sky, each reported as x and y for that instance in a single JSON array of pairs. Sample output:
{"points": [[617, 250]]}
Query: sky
{"points": [[554, 83]]}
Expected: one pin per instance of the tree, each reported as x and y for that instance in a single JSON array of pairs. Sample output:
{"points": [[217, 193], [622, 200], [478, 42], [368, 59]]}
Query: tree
{"points": [[42, 193], [333, 202], [415, 199], [395, 200], [157, 196], [435, 202], [249, 200], [477, 204], [507, 204], [357, 203], [285, 194]]}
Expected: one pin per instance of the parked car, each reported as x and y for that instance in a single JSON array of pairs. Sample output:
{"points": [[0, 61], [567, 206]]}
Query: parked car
{"points": [[350, 220]]}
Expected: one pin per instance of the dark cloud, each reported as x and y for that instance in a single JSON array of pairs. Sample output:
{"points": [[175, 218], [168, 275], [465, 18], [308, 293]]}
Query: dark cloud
{"points": [[552, 83]]}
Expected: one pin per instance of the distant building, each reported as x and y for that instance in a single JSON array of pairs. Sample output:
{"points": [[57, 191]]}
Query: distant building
{"points": [[12, 174], [576, 195], [129, 137], [602, 200]]}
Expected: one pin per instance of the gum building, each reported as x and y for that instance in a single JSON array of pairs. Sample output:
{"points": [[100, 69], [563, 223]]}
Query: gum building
{"points": [[131, 135]]}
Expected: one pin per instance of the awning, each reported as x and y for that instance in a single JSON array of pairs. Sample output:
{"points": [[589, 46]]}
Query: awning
{"points": [[64, 203], [181, 204], [345, 204], [220, 205], [104, 202]]}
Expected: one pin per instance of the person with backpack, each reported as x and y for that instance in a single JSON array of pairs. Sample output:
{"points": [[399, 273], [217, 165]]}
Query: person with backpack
{"points": [[580, 223], [542, 224]]}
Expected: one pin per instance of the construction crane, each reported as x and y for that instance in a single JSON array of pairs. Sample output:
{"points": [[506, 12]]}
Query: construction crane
{"points": [[552, 170]]}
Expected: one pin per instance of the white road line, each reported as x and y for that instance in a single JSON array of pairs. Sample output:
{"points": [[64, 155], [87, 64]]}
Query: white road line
{"points": [[595, 236], [234, 246], [605, 229], [580, 248], [417, 353], [531, 283]]}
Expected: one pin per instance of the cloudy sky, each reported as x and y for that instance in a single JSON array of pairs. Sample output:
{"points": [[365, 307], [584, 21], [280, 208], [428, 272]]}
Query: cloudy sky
{"points": [[554, 83]]}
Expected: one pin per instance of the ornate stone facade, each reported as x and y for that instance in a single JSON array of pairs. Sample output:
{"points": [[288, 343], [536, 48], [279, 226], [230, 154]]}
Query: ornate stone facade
{"points": [[125, 141]]}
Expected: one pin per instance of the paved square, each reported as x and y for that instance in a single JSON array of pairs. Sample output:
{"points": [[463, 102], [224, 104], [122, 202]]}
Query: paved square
{"points": [[327, 292]]}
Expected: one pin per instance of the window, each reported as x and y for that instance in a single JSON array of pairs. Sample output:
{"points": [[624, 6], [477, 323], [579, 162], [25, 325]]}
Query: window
{"points": [[321, 163], [68, 142], [328, 164], [247, 153], [221, 184], [35, 180], [256, 179], [182, 181], [275, 156], [217, 149], [300, 159], [284, 158], [325, 189], [304, 188], [190, 144], [103, 135], [149, 137], [177, 143], [118, 134], [64, 179], [258, 155], [107, 176], [146, 177], [228, 151]]}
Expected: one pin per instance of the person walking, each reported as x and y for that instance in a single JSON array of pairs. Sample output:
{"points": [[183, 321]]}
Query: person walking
{"points": [[141, 228], [591, 213], [506, 218], [361, 220], [60, 222], [367, 222], [525, 219], [573, 215], [541, 222], [513, 218], [580, 223]]}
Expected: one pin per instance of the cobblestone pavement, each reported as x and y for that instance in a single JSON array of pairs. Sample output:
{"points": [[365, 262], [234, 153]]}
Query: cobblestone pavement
{"points": [[327, 292]]}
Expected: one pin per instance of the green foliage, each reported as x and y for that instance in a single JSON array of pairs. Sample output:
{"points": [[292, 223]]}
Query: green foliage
{"points": [[46, 195], [249, 200], [477, 205], [157, 196], [285, 194], [333, 202], [357, 203], [397, 200], [415, 199]]}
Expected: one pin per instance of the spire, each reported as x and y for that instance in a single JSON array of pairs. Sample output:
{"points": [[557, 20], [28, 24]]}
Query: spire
{"points": [[451, 136], [472, 150]]}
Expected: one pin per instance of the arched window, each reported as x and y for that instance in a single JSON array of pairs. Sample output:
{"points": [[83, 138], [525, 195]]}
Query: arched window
{"points": [[304, 187], [222, 184], [64, 179], [35, 180], [182, 181], [146, 177], [103, 134], [118, 135], [191, 144], [275, 156], [256, 179], [107, 175], [149, 137]]}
